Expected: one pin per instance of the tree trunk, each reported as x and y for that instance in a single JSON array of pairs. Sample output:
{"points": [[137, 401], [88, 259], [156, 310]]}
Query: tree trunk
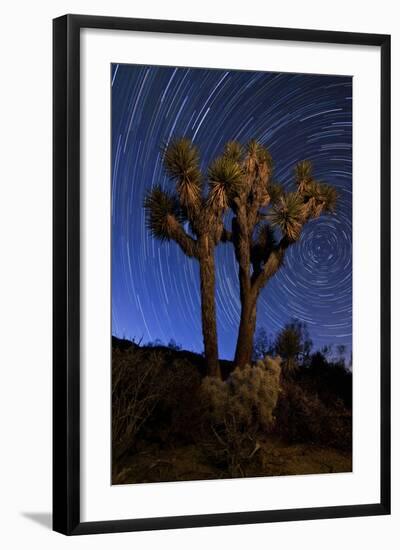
{"points": [[208, 309], [247, 327]]}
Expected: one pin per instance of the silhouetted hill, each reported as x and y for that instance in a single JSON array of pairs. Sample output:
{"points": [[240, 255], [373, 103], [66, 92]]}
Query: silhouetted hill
{"points": [[121, 343], [171, 353]]}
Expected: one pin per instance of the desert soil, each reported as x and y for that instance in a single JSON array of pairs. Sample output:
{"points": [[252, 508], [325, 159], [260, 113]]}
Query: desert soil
{"points": [[188, 463]]}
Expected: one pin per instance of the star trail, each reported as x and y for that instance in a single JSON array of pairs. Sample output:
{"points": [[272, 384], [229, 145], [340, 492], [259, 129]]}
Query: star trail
{"points": [[155, 288]]}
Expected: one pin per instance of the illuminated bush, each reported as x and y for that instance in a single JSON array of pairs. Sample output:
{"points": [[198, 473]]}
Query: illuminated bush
{"points": [[237, 410]]}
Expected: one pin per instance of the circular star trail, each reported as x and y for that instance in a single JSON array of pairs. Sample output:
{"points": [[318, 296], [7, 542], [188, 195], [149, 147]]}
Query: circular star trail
{"points": [[155, 288]]}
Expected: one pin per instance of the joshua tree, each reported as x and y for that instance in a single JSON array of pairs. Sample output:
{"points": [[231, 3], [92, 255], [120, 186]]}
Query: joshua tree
{"points": [[192, 216], [266, 221], [293, 345]]}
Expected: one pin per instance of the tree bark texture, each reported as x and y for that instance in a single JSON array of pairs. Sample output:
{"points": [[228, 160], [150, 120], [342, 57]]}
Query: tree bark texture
{"points": [[208, 309], [247, 326]]}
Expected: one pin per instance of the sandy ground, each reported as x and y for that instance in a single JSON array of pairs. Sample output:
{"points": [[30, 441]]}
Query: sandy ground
{"points": [[276, 458]]}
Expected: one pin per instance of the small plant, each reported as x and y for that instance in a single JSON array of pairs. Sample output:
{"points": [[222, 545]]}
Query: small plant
{"points": [[173, 345], [237, 411]]}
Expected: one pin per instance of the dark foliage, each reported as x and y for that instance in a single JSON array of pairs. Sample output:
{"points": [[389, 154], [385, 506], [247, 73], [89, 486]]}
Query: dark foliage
{"points": [[301, 416], [329, 379], [263, 345]]}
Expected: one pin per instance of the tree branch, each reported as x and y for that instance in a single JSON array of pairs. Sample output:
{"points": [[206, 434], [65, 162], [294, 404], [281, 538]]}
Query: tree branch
{"points": [[271, 266], [226, 235], [177, 233]]}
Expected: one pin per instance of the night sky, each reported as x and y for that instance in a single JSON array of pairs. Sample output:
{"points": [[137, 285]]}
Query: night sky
{"points": [[155, 288]]}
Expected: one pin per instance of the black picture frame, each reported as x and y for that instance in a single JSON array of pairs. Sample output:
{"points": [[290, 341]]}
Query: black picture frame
{"points": [[66, 273]]}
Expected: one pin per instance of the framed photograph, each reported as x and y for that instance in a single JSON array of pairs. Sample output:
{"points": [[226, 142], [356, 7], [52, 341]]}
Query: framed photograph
{"points": [[221, 274]]}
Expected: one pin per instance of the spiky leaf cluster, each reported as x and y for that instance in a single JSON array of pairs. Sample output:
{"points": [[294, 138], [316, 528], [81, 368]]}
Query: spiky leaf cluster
{"points": [[288, 214], [275, 191], [160, 207], [329, 196], [303, 171], [234, 151], [181, 160], [225, 178], [258, 155], [257, 150], [319, 198]]}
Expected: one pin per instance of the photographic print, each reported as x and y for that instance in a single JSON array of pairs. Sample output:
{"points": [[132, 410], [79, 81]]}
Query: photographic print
{"points": [[231, 231]]}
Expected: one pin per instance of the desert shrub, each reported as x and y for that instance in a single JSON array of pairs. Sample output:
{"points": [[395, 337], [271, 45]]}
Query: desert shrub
{"points": [[172, 344], [153, 397], [136, 390], [301, 417], [236, 411]]}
